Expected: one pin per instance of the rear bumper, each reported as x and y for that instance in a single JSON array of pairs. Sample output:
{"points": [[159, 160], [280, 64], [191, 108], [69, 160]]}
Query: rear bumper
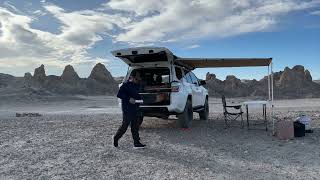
{"points": [[156, 99], [155, 111]]}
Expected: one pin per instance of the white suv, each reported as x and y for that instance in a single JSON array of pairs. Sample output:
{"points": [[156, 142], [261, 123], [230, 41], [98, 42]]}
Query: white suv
{"points": [[168, 87]]}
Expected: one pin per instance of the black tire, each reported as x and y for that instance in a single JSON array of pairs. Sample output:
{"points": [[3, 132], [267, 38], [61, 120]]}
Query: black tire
{"points": [[186, 117], [204, 114]]}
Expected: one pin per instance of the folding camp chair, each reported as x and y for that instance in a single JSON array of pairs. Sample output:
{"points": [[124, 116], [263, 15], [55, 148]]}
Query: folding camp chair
{"points": [[229, 117]]}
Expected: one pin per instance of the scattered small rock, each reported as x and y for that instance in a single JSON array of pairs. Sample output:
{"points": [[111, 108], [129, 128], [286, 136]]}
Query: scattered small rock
{"points": [[28, 114]]}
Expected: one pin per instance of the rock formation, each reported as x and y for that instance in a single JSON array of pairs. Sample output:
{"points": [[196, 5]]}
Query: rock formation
{"points": [[27, 76], [69, 75], [39, 74], [290, 83], [210, 76], [101, 74], [5, 79], [297, 74], [100, 81], [69, 83]]}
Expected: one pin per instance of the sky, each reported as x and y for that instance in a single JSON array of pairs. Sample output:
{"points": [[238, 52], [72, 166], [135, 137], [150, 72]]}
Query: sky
{"points": [[82, 33]]}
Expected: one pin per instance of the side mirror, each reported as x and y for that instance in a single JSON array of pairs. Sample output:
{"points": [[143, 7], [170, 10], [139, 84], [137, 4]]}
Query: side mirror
{"points": [[202, 82]]}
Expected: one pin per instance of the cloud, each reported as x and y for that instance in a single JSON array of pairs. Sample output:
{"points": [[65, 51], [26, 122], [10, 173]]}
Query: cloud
{"points": [[8, 5], [39, 13], [193, 46], [84, 28], [22, 45], [131, 22], [166, 20], [139, 7], [317, 13]]}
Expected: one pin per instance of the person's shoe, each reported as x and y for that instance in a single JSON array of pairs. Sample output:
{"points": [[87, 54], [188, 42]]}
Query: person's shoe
{"points": [[139, 146], [115, 142]]}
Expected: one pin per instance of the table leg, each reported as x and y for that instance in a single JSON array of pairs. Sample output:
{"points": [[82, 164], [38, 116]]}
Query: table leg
{"points": [[247, 110], [265, 116]]}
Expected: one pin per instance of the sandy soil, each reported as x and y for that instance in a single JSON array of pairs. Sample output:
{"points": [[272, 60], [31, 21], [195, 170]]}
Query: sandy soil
{"points": [[72, 140]]}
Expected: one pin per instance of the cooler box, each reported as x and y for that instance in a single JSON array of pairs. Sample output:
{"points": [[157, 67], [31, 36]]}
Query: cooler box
{"points": [[284, 130]]}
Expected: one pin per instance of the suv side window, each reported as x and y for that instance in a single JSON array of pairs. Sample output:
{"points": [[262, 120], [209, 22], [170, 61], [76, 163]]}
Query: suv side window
{"points": [[187, 76], [194, 79], [178, 72]]}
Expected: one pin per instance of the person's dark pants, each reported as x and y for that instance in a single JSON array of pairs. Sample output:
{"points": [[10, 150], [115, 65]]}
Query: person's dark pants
{"points": [[140, 118], [129, 119]]}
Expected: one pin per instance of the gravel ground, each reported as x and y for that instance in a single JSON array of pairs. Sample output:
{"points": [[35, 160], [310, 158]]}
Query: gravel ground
{"points": [[78, 145]]}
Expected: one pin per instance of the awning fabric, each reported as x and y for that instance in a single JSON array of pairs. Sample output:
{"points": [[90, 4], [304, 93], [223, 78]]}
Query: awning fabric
{"points": [[224, 62]]}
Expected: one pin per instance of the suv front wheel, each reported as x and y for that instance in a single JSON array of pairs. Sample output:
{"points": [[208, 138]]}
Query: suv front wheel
{"points": [[186, 117]]}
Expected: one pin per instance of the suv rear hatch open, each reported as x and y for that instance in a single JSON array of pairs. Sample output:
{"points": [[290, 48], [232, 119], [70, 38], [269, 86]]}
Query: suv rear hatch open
{"points": [[136, 56]]}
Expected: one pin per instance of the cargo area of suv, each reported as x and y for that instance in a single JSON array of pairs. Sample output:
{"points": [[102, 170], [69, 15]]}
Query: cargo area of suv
{"points": [[155, 86]]}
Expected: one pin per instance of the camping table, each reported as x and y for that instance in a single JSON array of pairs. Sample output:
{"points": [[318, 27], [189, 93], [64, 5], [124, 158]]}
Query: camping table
{"points": [[264, 110]]}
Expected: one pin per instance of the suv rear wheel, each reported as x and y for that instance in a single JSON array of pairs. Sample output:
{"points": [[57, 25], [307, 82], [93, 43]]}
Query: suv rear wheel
{"points": [[186, 117], [204, 114]]}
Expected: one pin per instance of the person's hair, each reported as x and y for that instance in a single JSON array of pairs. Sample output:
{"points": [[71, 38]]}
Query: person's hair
{"points": [[133, 74]]}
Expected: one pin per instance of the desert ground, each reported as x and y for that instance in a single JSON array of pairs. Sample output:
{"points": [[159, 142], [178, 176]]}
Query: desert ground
{"points": [[73, 140]]}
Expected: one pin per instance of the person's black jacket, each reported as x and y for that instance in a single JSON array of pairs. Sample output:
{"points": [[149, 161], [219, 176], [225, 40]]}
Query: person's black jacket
{"points": [[129, 90]]}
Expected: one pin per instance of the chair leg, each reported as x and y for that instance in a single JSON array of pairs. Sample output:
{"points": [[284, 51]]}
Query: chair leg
{"points": [[242, 123], [226, 121]]}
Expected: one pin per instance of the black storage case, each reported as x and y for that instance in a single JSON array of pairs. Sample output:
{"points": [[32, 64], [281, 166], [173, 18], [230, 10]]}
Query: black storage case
{"points": [[299, 129]]}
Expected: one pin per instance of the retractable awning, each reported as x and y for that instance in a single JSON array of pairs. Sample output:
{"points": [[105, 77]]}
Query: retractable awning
{"points": [[224, 62], [193, 63]]}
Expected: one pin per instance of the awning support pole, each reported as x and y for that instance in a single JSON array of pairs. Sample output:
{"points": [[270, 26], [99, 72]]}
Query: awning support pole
{"points": [[272, 105], [269, 83]]}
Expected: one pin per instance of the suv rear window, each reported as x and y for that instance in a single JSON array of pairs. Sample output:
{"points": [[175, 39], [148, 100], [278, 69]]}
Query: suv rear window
{"points": [[187, 76], [194, 79]]}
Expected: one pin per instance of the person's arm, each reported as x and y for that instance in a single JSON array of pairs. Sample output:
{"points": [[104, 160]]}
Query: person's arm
{"points": [[133, 93], [122, 94], [136, 94]]}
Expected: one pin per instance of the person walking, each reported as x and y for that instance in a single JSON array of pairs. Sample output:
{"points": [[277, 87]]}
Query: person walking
{"points": [[128, 93]]}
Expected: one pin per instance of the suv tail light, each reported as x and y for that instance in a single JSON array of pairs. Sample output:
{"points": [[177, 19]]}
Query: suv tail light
{"points": [[175, 86]]}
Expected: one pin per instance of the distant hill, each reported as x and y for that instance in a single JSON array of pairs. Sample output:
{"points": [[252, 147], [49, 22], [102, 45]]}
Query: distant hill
{"points": [[100, 82], [290, 83]]}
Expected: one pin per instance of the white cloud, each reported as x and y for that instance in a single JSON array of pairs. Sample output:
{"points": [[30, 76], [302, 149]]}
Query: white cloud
{"points": [[84, 28], [135, 22], [178, 20], [193, 46], [39, 13], [8, 5], [22, 45], [315, 13], [139, 7]]}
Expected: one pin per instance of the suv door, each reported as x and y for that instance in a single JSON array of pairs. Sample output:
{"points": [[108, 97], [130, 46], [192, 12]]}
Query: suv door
{"points": [[198, 91], [195, 94]]}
